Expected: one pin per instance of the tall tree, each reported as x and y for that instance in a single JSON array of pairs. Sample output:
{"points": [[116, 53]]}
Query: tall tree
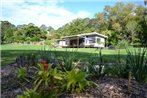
{"points": [[131, 27], [43, 27], [50, 29], [119, 17], [7, 31], [77, 26]]}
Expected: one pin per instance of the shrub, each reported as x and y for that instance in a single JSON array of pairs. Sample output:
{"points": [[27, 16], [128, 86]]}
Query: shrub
{"points": [[29, 94], [50, 81], [21, 73], [117, 70], [122, 44], [47, 80], [68, 59], [137, 62], [26, 60], [96, 66], [75, 81], [46, 54], [48, 42]]}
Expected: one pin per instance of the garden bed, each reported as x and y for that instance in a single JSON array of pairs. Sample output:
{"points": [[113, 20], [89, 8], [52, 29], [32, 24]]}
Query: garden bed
{"points": [[108, 87]]}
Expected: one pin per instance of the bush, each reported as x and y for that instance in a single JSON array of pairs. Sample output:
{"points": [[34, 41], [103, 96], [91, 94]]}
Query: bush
{"points": [[51, 82], [117, 70], [47, 77], [26, 60], [35, 39], [96, 65], [21, 73], [122, 44], [68, 59], [76, 81], [137, 62], [48, 42], [30, 94]]}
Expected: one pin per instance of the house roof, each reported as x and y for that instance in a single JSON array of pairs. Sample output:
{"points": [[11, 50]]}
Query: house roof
{"points": [[70, 36], [93, 33], [85, 34]]}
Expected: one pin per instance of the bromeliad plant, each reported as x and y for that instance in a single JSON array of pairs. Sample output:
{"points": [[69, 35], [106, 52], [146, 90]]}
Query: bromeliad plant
{"points": [[51, 80], [75, 81], [29, 94], [47, 80], [21, 73]]}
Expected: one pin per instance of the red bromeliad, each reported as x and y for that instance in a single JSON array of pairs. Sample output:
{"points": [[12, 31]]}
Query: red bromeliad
{"points": [[45, 65], [43, 62]]}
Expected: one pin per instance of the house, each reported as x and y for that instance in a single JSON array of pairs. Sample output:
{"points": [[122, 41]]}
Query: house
{"points": [[93, 39]]}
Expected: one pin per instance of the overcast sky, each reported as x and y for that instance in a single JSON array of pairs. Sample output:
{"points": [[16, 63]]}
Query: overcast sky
{"points": [[53, 13]]}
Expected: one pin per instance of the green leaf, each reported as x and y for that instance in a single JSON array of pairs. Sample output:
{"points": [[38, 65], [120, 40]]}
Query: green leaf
{"points": [[38, 84]]}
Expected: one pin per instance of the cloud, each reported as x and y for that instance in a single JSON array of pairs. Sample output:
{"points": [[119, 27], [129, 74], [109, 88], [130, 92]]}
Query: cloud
{"points": [[38, 12]]}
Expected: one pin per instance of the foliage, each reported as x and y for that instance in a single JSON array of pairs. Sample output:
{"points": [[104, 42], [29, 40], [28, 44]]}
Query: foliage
{"points": [[47, 80], [50, 29], [50, 42], [30, 94], [7, 32], [43, 27], [122, 44], [21, 73], [131, 27], [69, 57], [46, 54], [95, 68], [35, 39], [25, 60], [22, 33], [121, 21], [77, 26], [137, 63], [76, 81], [117, 70]]}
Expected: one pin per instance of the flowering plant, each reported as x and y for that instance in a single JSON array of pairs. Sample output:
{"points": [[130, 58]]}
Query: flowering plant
{"points": [[45, 65], [47, 78]]}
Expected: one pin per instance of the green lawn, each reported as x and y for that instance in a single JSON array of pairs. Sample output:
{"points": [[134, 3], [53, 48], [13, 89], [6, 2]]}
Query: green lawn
{"points": [[9, 52]]}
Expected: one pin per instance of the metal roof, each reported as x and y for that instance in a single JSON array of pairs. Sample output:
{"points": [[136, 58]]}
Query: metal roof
{"points": [[84, 34], [93, 33]]}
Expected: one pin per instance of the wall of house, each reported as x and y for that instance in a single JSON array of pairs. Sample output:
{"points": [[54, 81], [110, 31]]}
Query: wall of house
{"points": [[85, 41], [96, 41], [62, 43], [100, 42]]}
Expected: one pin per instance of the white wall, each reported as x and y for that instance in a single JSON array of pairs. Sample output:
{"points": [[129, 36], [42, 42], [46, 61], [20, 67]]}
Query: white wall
{"points": [[62, 43], [102, 42]]}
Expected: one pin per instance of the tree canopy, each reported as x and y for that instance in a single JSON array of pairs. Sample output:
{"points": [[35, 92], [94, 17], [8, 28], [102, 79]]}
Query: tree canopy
{"points": [[118, 22]]}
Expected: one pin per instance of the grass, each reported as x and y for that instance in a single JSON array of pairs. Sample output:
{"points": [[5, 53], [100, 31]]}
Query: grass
{"points": [[9, 52]]}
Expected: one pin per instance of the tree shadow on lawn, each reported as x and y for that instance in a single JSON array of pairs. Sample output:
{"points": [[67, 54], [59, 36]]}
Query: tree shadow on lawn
{"points": [[9, 56]]}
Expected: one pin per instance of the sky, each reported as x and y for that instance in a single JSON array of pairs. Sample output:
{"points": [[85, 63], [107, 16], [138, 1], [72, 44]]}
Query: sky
{"points": [[55, 13]]}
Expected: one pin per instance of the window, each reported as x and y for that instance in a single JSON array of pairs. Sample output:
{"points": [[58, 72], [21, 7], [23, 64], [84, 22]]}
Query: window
{"points": [[66, 42], [98, 40], [91, 40]]}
